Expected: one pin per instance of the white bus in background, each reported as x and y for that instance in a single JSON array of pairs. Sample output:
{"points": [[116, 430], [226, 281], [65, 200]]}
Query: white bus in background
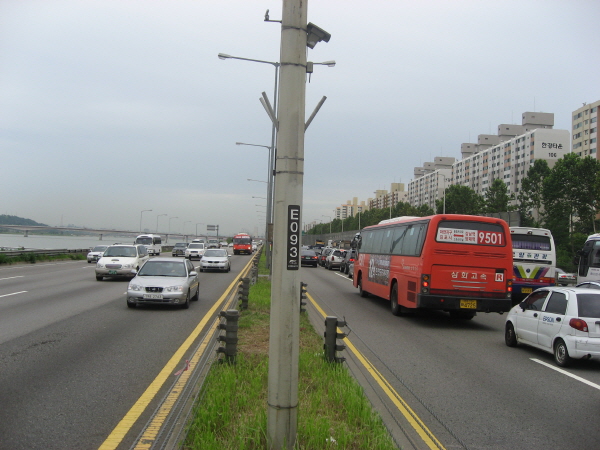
{"points": [[534, 260], [588, 260], [153, 243]]}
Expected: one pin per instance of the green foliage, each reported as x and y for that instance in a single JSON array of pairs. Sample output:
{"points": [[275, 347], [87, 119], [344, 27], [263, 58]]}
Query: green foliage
{"points": [[461, 200], [6, 219], [497, 197], [529, 198]]}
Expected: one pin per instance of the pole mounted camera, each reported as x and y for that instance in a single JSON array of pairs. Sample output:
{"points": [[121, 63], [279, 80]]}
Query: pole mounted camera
{"points": [[316, 35]]}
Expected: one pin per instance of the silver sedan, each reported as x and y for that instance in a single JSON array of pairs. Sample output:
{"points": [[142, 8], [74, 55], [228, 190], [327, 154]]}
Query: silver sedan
{"points": [[215, 259], [164, 281]]}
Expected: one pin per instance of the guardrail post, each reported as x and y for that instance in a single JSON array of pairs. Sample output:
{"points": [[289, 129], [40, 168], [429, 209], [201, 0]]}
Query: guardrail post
{"points": [[243, 290], [231, 332], [331, 336], [303, 287]]}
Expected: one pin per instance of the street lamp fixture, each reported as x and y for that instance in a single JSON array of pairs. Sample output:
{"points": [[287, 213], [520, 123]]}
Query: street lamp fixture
{"points": [[141, 213]]}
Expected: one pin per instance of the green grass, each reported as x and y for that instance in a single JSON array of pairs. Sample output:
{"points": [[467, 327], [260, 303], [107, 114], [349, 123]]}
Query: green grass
{"points": [[232, 407], [32, 258]]}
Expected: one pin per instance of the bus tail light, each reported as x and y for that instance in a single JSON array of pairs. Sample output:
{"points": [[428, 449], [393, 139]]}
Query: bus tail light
{"points": [[579, 324], [425, 280]]}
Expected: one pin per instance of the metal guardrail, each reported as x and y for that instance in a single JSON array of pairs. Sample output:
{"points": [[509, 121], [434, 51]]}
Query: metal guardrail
{"points": [[44, 252]]}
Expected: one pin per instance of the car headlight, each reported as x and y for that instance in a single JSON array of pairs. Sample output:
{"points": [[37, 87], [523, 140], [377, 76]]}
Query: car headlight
{"points": [[134, 287], [127, 266], [100, 266], [174, 289]]}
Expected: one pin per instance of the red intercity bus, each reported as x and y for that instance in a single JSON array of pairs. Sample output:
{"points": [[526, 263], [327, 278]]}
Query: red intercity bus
{"points": [[242, 243], [450, 262]]}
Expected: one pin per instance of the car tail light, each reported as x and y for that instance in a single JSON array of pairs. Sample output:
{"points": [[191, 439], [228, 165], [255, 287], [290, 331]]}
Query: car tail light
{"points": [[579, 324]]}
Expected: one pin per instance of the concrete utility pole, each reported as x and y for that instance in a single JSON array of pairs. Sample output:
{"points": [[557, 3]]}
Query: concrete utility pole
{"points": [[289, 169]]}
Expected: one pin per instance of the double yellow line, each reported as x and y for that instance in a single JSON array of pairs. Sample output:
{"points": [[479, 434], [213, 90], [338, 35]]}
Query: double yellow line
{"points": [[413, 419], [151, 432]]}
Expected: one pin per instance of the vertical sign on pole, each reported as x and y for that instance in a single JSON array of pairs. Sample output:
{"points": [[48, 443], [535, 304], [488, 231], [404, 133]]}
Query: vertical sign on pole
{"points": [[293, 239]]}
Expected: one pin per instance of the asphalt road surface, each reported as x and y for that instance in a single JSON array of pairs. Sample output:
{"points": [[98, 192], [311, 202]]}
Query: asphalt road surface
{"points": [[469, 388], [74, 358]]}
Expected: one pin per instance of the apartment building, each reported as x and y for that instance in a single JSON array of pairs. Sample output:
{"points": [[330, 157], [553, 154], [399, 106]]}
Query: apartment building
{"points": [[385, 199], [585, 130], [507, 155], [350, 209]]}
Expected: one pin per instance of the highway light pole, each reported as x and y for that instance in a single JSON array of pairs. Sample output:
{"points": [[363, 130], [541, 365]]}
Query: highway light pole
{"points": [[269, 195], [142, 213]]}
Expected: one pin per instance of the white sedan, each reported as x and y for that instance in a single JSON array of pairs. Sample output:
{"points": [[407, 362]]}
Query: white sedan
{"points": [[559, 320], [215, 259]]}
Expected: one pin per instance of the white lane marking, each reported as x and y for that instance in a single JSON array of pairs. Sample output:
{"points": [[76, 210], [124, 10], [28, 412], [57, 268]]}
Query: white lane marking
{"points": [[10, 278], [345, 277], [14, 293], [564, 372]]}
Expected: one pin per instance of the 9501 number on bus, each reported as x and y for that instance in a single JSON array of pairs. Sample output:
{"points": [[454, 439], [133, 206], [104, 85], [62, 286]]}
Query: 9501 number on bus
{"points": [[474, 237]]}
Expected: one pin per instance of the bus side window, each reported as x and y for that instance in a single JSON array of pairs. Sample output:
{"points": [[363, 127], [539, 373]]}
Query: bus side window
{"points": [[367, 242], [386, 241], [397, 239], [377, 238]]}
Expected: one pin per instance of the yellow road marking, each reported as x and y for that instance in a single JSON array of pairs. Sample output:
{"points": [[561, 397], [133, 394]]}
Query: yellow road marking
{"points": [[412, 417], [123, 427]]}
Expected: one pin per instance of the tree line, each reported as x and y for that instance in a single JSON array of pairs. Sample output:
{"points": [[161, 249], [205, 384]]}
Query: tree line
{"points": [[564, 199]]}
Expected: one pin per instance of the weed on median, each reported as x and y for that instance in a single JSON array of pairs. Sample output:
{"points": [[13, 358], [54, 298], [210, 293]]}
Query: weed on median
{"points": [[231, 413]]}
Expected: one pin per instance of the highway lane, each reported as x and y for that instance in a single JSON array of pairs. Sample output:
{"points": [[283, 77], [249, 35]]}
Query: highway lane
{"points": [[74, 358], [468, 387]]}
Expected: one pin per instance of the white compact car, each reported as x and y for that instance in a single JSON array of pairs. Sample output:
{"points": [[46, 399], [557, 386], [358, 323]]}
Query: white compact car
{"points": [[564, 321], [119, 261], [164, 281], [215, 259], [96, 253]]}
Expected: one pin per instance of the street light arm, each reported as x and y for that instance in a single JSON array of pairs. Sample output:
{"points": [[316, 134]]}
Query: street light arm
{"points": [[226, 56]]}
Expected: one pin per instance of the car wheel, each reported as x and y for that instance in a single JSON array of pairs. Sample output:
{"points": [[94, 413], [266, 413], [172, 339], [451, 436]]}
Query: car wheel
{"points": [[99, 277], [201, 269], [186, 304], [197, 295], [131, 304], [228, 267], [510, 337], [361, 291], [561, 354], [396, 309]]}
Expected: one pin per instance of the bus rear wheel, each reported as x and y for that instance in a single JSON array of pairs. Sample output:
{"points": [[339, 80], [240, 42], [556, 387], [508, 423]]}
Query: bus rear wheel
{"points": [[361, 291]]}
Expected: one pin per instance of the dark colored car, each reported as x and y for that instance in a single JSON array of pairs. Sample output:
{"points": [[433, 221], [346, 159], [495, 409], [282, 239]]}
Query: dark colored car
{"points": [[179, 249], [309, 258], [350, 257], [326, 251]]}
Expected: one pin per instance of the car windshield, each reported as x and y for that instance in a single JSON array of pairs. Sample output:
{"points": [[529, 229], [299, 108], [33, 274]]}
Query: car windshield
{"points": [[588, 305], [124, 252], [162, 269], [181, 244], [196, 246], [308, 253], [100, 248], [215, 253]]}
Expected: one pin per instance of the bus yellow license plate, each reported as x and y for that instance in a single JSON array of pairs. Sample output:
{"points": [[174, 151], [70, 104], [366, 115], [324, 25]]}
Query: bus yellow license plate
{"points": [[468, 304], [526, 290]]}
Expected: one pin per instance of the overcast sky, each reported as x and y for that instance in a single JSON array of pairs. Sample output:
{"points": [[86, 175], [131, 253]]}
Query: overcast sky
{"points": [[111, 107]]}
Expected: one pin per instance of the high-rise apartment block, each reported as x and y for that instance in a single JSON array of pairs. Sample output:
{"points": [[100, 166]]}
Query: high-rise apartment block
{"points": [[507, 156], [585, 130]]}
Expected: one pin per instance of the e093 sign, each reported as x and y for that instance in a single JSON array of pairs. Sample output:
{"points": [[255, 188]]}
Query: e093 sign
{"points": [[293, 237]]}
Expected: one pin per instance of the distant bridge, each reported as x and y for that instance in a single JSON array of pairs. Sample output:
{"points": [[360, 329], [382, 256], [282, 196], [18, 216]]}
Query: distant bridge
{"points": [[26, 229]]}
